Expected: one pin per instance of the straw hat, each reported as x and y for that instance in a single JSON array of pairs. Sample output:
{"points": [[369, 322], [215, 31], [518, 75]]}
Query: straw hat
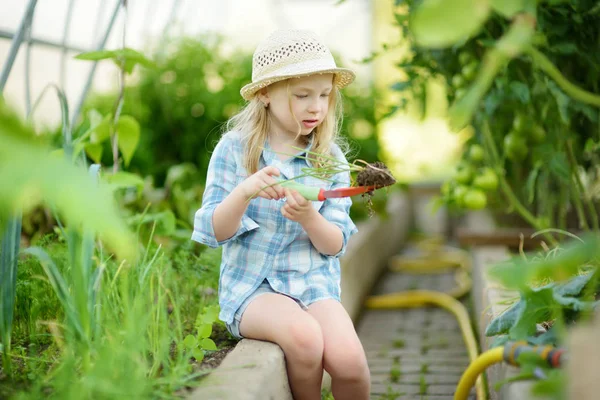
{"points": [[292, 54]]}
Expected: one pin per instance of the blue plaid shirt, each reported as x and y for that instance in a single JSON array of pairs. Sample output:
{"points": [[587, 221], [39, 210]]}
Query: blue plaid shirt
{"points": [[267, 245]]}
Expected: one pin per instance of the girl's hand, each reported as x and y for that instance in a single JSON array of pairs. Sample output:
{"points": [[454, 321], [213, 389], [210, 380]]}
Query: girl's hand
{"points": [[258, 185], [296, 207]]}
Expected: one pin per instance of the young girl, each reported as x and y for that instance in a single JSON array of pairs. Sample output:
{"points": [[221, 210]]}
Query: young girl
{"points": [[280, 271]]}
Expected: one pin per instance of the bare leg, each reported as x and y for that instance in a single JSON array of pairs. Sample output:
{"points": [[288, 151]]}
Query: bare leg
{"points": [[344, 357], [279, 319]]}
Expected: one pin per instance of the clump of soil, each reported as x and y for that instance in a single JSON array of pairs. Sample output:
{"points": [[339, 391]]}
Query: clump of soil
{"points": [[376, 174]]}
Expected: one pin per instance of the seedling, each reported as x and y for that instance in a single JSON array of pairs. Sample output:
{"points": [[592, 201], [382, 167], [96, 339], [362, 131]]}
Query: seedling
{"points": [[423, 386], [201, 343], [395, 374]]}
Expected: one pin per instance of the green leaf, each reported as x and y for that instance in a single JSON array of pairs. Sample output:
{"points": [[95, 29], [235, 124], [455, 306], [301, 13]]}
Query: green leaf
{"points": [[95, 118], [198, 354], [100, 131], [208, 344], [185, 174], [562, 101], [211, 313], [128, 130], [574, 286], [204, 331], [564, 48], [559, 166], [500, 340], [508, 8], [122, 179], [94, 151], [548, 337], [442, 23], [95, 55], [132, 58], [538, 305], [165, 220], [400, 18], [126, 58], [503, 322], [553, 386], [400, 86], [518, 273], [190, 342], [520, 91], [493, 100]]}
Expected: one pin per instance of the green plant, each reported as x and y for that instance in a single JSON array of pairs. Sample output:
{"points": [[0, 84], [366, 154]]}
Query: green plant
{"points": [[200, 343], [326, 394], [556, 288], [531, 100], [28, 176], [123, 131], [423, 385], [395, 374], [391, 394]]}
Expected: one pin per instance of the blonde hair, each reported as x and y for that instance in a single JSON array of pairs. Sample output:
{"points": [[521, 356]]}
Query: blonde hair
{"points": [[252, 122]]}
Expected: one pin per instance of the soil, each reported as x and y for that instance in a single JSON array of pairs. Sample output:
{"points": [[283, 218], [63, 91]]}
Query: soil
{"points": [[213, 360], [376, 174], [224, 341]]}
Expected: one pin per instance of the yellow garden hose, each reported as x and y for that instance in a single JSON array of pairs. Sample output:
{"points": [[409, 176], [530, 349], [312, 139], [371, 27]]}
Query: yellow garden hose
{"points": [[438, 260], [474, 371]]}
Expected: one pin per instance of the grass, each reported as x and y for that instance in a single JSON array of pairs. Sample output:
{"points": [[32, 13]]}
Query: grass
{"points": [[423, 385], [424, 368], [399, 343], [391, 394], [131, 347], [395, 374]]}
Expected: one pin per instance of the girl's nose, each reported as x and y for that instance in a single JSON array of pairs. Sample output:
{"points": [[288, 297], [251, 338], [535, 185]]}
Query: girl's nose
{"points": [[314, 106]]}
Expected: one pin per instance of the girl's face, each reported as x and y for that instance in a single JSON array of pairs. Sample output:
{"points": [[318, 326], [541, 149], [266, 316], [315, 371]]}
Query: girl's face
{"points": [[308, 99]]}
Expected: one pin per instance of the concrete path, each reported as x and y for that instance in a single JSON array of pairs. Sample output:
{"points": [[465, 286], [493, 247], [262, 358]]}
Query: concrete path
{"points": [[413, 353]]}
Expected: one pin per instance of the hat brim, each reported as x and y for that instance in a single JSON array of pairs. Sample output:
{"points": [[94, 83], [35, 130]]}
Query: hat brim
{"points": [[343, 77]]}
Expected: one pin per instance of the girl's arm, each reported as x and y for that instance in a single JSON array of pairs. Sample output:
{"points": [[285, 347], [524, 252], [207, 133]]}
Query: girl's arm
{"points": [[325, 236], [228, 214], [228, 201]]}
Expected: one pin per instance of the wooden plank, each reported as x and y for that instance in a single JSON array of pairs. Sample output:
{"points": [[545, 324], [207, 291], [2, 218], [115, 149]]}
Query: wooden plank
{"points": [[511, 237]]}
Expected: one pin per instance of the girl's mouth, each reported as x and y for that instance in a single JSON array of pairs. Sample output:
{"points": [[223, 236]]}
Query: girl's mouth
{"points": [[310, 123]]}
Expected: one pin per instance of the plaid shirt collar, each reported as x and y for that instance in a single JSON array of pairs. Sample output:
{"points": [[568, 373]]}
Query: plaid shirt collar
{"points": [[269, 156]]}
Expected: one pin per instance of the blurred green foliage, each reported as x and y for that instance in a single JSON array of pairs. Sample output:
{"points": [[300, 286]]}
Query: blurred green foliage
{"points": [[533, 108]]}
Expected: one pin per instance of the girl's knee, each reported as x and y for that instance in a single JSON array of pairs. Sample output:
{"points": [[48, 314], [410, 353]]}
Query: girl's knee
{"points": [[347, 362], [303, 341]]}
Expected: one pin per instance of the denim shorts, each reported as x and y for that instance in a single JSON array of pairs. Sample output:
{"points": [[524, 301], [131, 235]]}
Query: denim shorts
{"points": [[263, 288]]}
